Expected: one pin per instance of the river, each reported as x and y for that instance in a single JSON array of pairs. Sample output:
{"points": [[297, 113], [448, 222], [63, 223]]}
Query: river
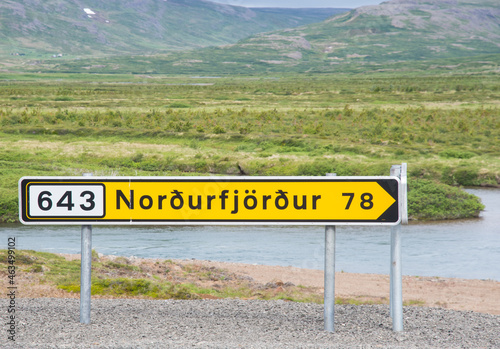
{"points": [[465, 249]]}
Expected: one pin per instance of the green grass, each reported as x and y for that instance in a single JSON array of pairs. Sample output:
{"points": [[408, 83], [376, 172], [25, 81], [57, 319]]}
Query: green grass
{"points": [[284, 125]]}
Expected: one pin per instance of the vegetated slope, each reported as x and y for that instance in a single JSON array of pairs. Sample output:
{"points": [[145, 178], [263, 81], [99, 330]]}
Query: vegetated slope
{"points": [[395, 31], [442, 35], [98, 27]]}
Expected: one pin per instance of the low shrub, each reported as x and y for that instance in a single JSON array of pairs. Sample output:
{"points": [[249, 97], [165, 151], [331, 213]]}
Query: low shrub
{"points": [[430, 200]]}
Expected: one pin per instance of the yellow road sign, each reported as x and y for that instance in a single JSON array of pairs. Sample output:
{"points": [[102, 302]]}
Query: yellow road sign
{"points": [[209, 200]]}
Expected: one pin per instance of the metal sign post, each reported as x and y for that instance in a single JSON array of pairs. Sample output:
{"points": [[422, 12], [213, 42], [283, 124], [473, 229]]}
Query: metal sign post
{"points": [[329, 287], [329, 293], [396, 278], [85, 271]]}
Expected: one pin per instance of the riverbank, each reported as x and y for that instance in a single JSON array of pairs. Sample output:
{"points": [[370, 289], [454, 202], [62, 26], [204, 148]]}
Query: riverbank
{"points": [[266, 282]]}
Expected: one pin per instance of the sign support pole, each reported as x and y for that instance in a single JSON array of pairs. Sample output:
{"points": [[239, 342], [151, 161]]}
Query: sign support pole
{"points": [[396, 273], [329, 278], [395, 171], [86, 268], [396, 283], [329, 287]]}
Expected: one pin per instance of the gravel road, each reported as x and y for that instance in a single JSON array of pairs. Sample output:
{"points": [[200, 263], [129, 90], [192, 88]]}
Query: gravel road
{"points": [[129, 323]]}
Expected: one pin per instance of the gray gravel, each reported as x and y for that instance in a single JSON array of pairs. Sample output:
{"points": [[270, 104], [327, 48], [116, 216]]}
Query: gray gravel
{"points": [[126, 323]]}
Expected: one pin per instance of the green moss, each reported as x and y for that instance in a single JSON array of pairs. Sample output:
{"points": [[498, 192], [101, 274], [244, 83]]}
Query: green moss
{"points": [[120, 266], [358, 301], [37, 268], [414, 302], [125, 287]]}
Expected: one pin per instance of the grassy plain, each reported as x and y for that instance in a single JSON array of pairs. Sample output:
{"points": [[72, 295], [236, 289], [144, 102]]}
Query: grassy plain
{"points": [[446, 127]]}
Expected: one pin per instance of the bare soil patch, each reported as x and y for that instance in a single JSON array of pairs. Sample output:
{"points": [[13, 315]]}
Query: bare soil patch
{"points": [[452, 293]]}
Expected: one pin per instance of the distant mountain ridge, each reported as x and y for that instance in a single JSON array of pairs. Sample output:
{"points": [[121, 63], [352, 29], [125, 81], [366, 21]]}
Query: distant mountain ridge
{"points": [[445, 33], [397, 30], [121, 27]]}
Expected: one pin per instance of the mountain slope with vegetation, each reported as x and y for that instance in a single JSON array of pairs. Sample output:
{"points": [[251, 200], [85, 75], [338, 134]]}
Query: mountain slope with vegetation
{"points": [[395, 31], [96, 27], [445, 35]]}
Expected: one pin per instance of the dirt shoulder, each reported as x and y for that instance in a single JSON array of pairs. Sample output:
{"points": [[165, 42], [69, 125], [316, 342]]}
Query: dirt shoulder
{"points": [[457, 294], [452, 293]]}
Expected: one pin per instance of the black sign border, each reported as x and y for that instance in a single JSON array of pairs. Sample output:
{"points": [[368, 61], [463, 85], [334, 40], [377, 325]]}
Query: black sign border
{"points": [[24, 208]]}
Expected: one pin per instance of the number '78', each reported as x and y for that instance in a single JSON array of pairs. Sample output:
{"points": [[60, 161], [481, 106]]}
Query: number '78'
{"points": [[366, 200]]}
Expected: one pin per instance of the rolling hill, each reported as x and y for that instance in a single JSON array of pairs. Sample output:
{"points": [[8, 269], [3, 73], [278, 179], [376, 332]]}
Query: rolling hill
{"points": [[38, 28], [391, 33], [398, 30], [395, 35]]}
